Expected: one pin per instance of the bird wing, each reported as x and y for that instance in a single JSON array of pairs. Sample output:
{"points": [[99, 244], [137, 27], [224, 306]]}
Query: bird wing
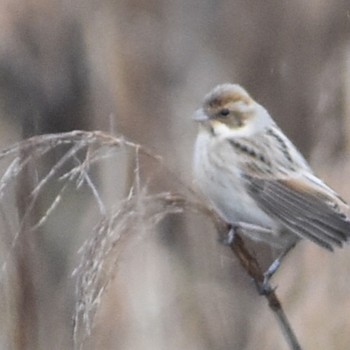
{"points": [[304, 205]]}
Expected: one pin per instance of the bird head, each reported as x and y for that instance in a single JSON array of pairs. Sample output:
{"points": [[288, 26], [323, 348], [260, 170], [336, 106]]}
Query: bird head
{"points": [[229, 109]]}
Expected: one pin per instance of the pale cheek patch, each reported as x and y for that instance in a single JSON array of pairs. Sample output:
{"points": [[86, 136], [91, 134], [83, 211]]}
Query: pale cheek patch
{"points": [[222, 130]]}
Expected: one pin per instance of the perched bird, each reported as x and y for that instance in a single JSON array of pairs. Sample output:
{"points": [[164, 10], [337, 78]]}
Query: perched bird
{"points": [[257, 179]]}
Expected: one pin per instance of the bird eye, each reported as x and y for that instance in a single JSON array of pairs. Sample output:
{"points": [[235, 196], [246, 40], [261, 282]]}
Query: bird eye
{"points": [[224, 112]]}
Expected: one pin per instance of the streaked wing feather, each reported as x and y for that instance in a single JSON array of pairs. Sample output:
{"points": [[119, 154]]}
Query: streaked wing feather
{"points": [[293, 218], [315, 206], [307, 212]]}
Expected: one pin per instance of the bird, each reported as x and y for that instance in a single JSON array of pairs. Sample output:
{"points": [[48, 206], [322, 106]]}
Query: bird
{"points": [[256, 179]]}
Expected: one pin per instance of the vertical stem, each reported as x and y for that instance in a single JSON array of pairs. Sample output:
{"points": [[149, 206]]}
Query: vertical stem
{"points": [[26, 258]]}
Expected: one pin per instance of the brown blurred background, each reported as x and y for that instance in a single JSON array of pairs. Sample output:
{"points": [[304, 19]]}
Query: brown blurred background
{"points": [[141, 68]]}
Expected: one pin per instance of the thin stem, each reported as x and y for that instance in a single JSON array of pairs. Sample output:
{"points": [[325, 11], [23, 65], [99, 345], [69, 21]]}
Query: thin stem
{"points": [[251, 266]]}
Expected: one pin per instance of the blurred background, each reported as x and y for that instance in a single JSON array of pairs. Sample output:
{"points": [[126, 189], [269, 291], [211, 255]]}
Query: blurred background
{"points": [[141, 68]]}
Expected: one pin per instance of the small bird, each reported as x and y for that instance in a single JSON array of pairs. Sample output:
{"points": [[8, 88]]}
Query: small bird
{"points": [[257, 179]]}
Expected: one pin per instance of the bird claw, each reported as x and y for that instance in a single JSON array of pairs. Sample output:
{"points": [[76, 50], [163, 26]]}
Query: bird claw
{"points": [[271, 270], [264, 288], [229, 238]]}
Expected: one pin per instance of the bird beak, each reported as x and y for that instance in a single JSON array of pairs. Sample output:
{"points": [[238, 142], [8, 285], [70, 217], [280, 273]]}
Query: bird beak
{"points": [[200, 116]]}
